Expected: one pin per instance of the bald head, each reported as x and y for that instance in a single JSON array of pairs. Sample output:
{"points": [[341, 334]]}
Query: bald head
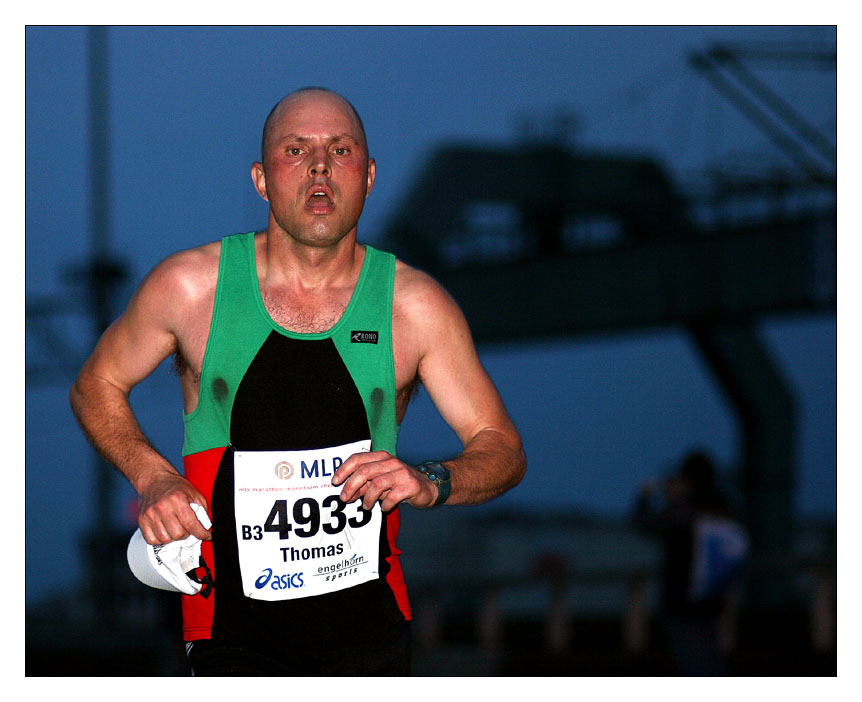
{"points": [[303, 93]]}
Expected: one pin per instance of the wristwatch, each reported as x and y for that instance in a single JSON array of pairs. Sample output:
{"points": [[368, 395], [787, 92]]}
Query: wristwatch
{"points": [[438, 474]]}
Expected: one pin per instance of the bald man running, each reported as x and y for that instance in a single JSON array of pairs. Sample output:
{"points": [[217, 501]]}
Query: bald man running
{"points": [[298, 350]]}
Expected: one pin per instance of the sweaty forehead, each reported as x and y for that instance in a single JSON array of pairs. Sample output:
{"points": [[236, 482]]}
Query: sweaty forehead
{"points": [[311, 115]]}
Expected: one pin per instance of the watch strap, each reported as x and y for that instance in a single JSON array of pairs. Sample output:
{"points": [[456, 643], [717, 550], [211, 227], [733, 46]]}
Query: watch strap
{"points": [[438, 474]]}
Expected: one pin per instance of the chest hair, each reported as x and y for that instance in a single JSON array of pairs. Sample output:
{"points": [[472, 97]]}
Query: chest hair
{"points": [[304, 319]]}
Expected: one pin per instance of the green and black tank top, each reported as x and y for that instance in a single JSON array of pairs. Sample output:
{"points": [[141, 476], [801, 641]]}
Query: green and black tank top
{"points": [[277, 412]]}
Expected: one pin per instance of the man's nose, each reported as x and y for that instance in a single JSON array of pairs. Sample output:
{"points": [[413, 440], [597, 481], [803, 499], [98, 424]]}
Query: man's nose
{"points": [[319, 162]]}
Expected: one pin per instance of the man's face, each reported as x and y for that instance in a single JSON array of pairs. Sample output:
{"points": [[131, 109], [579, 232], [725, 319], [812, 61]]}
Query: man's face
{"points": [[316, 172]]}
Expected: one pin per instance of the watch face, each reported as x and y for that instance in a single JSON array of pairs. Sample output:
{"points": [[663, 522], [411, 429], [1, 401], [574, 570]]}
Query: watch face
{"points": [[435, 472]]}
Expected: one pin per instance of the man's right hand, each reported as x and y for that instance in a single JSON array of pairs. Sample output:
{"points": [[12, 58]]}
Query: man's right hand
{"points": [[166, 514]]}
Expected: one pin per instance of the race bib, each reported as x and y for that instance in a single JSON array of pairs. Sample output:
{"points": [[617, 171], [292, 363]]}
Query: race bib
{"points": [[295, 536]]}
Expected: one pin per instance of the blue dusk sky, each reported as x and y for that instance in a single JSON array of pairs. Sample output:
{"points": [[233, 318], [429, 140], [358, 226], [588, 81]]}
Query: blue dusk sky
{"points": [[598, 414]]}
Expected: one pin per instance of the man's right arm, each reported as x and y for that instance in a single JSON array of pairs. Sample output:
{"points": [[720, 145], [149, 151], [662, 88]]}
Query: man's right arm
{"points": [[128, 351]]}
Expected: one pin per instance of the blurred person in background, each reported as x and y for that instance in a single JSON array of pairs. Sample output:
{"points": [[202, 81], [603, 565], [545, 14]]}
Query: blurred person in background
{"points": [[704, 551]]}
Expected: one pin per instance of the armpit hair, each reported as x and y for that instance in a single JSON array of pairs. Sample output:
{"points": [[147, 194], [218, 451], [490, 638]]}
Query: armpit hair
{"points": [[181, 367]]}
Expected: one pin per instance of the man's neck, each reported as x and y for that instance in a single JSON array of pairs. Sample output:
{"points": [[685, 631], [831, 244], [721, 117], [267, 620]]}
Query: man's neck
{"points": [[285, 261]]}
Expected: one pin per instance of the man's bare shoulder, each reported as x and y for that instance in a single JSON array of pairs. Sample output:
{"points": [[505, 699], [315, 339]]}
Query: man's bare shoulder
{"points": [[422, 300], [189, 274], [414, 287]]}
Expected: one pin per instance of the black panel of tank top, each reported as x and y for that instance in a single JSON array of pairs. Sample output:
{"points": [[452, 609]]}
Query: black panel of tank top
{"points": [[297, 394]]}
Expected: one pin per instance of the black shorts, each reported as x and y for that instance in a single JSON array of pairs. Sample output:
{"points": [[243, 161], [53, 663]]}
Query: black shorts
{"points": [[389, 656]]}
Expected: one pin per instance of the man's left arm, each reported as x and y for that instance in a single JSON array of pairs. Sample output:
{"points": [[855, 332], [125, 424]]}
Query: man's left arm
{"points": [[492, 460]]}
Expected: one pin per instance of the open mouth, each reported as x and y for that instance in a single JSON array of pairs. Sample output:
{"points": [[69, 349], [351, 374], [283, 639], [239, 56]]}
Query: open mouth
{"points": [[319, 199]]}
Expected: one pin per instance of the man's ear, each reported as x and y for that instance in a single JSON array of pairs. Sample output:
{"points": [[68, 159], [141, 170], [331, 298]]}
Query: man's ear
{"points": [[258, 177], [372, 172]]}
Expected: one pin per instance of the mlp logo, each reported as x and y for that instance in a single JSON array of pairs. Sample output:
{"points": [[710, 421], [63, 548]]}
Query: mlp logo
{"points": [[284, 470], [278, 582]]}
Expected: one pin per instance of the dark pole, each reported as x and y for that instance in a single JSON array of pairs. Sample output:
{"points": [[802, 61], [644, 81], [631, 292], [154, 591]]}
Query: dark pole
{"points": [[103, 272], [99, 143]]}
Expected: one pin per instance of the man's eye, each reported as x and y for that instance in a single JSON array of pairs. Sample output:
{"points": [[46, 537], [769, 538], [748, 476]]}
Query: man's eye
{"points": [[341, 151], [295, 151]]}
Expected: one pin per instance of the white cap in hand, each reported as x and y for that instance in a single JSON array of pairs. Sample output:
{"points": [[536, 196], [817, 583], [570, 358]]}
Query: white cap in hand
{"points": [[165, 566]]}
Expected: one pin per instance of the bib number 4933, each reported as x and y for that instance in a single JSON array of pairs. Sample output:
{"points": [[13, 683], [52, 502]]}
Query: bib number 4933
{"points": [[308, 517]]}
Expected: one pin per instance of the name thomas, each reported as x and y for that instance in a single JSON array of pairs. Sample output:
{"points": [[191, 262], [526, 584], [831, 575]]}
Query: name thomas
{"points": [[303, 554]]}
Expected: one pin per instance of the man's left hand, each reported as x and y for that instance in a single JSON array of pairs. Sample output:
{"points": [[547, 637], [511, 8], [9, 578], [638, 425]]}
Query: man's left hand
{"points": [[379, 475]]}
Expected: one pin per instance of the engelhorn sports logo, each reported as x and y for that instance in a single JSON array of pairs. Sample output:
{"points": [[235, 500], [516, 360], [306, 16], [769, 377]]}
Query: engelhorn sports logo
{"points": [[363, 337]]}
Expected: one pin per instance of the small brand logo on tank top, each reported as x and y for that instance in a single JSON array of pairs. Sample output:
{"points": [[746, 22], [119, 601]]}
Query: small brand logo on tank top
{"points": [[363, 337]]}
